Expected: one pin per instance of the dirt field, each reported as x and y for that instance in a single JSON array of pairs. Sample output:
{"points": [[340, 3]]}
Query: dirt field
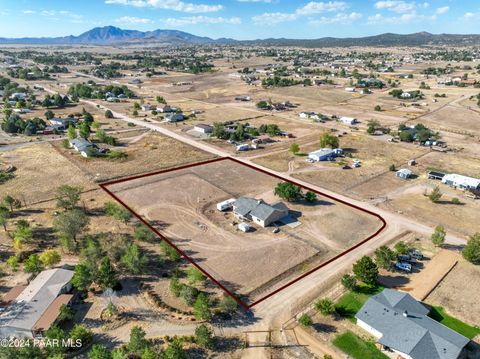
{"points": [[150, 153], [458, 293], [181, 204]]}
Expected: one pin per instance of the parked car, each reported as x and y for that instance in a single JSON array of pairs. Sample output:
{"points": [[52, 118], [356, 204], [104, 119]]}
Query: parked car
{"points": [[416, 254], [404, 266]]}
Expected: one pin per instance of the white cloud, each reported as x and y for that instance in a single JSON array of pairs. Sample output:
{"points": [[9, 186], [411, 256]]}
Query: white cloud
{"points": [[29, 11], [58, 15], [471, 15], [265, 1], [318, 7], [133, 20], [340, 18], [401, 19], [310, 8], [193, 20], [397, 6], [442, 10], [176, 5]]}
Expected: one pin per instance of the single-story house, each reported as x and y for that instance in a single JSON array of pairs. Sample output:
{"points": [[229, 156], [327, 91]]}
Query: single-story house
{"points": [[82, 145], [324, 154], [174, 117], [147, 107], [259, 212], [459, 181], [33, 309], [166, 109], [401, 324], [62, 123], [348, 120], [404, 173], [203, 128]]}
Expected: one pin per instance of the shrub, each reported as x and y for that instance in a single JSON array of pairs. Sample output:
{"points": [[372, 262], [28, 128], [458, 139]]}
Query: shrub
{"points": [[305, 320]]}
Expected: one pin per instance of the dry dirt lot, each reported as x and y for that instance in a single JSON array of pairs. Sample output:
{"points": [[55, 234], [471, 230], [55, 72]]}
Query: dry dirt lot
{"points": [[458, 293], [181, 204]]}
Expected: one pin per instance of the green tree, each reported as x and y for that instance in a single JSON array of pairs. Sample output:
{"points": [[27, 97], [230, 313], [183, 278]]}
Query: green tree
{"points": [[81, 333], [82, 277], [138, 341], [366, 271], [287, 191], [33, 264], [175, 286], [310, 196], [118, 212], [385, 257], [106, 276], [325, 306], [65, 313], [435, 195], [84, 130], [228, 305], [438, 236], [401, 248], [349, 282], [143, 233], [294, 148], [194, 275], [201, 308], [109, 114], [68, 196], [204, 336], [329, 141], [55, 333], [98, 351], [11, 202], [70, 224], [175, 350], [149, 353], [471, 252], [49, 115], [12, 262], [4, 216], [189, 294], [50, 257], [305, 320], [133, 260], [71, 132]]}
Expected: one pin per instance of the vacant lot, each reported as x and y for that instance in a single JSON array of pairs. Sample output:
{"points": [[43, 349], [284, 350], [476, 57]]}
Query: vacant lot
{"points": [[181, 204], [149, 153]]}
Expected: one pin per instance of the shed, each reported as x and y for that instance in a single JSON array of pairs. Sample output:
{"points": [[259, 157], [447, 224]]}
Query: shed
{"points": [[404, 173]]}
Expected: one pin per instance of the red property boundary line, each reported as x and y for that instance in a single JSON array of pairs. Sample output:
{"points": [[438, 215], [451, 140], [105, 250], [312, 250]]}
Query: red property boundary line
{"points": [[244, 305]]}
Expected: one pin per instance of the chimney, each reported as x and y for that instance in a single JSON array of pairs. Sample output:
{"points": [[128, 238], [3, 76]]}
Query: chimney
{"points": [[405, 314]]}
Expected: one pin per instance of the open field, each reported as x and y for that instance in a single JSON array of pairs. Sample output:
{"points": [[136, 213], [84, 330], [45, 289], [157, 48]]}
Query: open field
{"points": [[151, 152], [181, 205]]}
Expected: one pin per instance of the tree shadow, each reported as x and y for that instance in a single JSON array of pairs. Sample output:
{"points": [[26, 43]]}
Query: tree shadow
{"points": [[325, 328]]}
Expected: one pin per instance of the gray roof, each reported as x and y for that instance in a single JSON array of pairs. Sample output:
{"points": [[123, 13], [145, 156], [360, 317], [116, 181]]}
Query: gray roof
{"points": [[405, 327], [81, 144], [257, 208], [34, 300], [323, 152]]}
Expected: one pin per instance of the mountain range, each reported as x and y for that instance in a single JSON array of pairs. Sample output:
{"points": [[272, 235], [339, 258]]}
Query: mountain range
{"points": [[111, 35]]}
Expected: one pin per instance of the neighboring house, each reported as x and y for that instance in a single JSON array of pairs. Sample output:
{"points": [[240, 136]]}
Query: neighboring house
{"points": [[404, 173], [62, 123], [18, 96], [82, 145], [147, 107], [401, 324], [312, 115], [202, 128], [324, 154], [462, 182], [174, 117], [166, 109], [259, 212], [31, 310], [348, 120]]}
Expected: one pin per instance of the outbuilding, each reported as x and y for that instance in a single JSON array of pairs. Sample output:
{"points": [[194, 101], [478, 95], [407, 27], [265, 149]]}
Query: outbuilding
{"points": [[203, 128], [404, 173]]}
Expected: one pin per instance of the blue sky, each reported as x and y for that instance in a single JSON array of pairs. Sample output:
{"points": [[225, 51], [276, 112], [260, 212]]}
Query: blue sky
{"points": [[240, 19]]}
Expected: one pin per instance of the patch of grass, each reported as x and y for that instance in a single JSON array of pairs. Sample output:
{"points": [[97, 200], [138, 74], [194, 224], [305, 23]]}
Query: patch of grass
{"points": [[439, 314], [356, 347], [350, 303]]}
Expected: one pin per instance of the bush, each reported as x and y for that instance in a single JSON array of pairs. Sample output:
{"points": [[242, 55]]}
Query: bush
{"points": [[349, 282], [455, 200], [305, 320], [401, 248], [471, 252], [204, 336], [325, 306]]}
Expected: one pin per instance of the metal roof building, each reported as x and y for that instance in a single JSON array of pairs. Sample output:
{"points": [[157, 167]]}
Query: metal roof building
{"points": [[463, 182], [38, 303], [401, 323]]}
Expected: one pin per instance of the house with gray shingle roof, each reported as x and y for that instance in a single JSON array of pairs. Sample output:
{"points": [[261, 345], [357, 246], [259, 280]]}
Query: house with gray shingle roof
{"points": [[256, 210], [401, 324]]}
